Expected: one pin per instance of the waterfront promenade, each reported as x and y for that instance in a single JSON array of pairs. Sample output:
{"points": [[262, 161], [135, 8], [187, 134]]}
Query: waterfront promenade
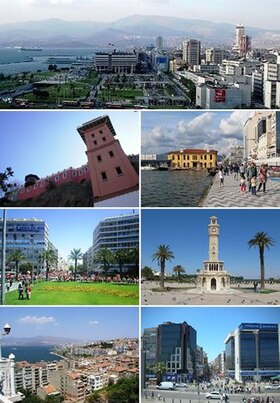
{"points": [[229, 195]]}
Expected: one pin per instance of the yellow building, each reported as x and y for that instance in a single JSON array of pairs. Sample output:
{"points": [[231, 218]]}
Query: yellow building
{"points": [[193, 159]]}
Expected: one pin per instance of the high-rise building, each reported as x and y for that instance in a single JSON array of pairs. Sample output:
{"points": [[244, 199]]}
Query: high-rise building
{"points": [[149, 345], [159, 42], [214, 55], [261, 136], [114, 233], [30, 236], [242, 41], [252, 352], [177, 348], [192, 52]]}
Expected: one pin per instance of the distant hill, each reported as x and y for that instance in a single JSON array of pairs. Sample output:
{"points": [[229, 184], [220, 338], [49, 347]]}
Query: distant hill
{"points": [[133, 30], [39, 341]]}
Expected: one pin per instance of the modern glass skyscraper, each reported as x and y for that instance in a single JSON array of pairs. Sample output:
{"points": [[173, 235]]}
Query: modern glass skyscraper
{"points": [[176, 347], [30, 236], [252, 351]]}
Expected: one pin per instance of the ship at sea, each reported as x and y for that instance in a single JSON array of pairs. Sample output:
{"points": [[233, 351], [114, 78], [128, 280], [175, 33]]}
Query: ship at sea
{"points": [[30, 48]]}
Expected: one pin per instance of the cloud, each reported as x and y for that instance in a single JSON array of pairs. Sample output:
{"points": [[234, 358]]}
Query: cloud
{"points": [[36, 320], [55, 3], [207, 130], [93, 322]]}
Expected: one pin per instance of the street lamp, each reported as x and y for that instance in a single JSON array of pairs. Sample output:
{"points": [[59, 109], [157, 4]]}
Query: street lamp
{"points": [[6, 331]]}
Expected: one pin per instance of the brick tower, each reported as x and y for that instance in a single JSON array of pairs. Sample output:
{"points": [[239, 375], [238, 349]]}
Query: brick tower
{"points": [[111, 172]]}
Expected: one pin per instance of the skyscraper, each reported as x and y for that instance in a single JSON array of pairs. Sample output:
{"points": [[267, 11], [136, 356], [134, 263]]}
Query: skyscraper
{"points": [[159, 42], [176, 347], [192, 52], [252, 352], [242, 41]]}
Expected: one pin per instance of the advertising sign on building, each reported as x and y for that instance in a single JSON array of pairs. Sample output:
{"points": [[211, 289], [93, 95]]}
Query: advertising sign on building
{"points": [[220, 95]]}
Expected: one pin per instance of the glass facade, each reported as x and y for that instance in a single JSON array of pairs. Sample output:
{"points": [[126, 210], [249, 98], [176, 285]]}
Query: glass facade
{"points": [[248, 358], [229, 354], [269, 350], [278, 134], [177, 347]]}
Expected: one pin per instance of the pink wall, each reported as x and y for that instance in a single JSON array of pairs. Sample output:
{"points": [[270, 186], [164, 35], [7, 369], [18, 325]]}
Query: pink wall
{"points": [[68, 175]]}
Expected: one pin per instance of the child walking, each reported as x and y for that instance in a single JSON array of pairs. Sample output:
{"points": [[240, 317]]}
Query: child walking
{"points": [[242, 184], [254, 186]]}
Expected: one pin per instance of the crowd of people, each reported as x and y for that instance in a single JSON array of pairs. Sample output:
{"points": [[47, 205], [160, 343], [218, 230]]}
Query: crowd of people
{"points": [[251, 178]]}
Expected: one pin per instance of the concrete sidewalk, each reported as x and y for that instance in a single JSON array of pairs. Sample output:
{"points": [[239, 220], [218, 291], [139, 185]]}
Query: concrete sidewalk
{"points": [[229, 195]]}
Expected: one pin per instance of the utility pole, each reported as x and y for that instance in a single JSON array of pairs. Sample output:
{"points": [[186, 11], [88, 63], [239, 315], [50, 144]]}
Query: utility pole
{"points": [[3, 259]]}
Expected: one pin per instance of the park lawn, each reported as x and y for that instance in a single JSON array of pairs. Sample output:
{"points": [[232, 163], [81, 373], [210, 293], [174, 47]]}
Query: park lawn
{"points": [[121, 94], [70, 293], [71, 92]]}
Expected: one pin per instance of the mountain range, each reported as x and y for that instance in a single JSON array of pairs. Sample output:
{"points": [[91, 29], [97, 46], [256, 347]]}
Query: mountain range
{"points": [[130, 31], [38, 341]]}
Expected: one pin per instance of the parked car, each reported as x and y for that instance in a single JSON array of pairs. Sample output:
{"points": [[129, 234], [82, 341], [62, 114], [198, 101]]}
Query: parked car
{"points": [[272, 387], [215, 394], [166, 386]]}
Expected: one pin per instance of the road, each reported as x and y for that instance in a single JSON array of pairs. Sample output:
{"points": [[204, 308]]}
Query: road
{"points": [[185, 396]]}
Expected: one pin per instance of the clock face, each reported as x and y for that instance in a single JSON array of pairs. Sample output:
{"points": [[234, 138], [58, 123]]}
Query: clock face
{"points": [[214, 230]]}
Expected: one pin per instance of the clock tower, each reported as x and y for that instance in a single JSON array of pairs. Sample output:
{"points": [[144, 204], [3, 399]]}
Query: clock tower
{"points": [[213, 277]]}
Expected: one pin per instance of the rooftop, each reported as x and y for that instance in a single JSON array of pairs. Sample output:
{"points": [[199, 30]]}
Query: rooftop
{"points": [[94, 123]]}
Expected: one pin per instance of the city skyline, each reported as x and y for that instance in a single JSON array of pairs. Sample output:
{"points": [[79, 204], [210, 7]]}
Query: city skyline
{"points": [[211, 338], [263, 16], [171, 131], [186, 233], [62, 222], [90, 323], [53, 141]]}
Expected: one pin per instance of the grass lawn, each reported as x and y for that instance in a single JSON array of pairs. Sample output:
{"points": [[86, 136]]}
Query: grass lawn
{"points": [[74, 91], [59, 293]]}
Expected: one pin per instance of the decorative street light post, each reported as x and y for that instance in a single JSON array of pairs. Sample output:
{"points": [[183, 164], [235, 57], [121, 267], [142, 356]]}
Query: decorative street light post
{"points": [[6, 331]]}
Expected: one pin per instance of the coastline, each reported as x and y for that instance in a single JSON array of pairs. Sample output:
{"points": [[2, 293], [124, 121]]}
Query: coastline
{"points": [[205, 193]]}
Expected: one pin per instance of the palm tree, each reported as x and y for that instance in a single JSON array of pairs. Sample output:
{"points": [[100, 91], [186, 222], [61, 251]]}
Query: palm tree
{"points": [[16, 256], [179, 270], [105, 257], [262, 241], [75, 255], [121, 257], [159, 369], [49, 257], [162, 254]]}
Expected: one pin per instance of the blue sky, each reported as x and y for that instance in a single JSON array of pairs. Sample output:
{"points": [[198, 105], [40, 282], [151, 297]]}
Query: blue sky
{"points": [[263, 15], [47, 142], [212, 324], [167, 131], [68, 228], [89, 324], [186, 232]]}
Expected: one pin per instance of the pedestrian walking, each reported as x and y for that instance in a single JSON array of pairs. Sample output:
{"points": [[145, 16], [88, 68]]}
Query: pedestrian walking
{"points": [[221, 176], [263, 177], [20, 291]]}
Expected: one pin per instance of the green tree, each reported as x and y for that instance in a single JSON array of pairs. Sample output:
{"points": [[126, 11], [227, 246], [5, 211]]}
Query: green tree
{"points": [[4, 180], [178, 270], [162, 254], [261, 240], [121, 257], [16, 256], [159, 369], [49, 257], [105, 257], [26, 267], [75, 255], [147, 272]]}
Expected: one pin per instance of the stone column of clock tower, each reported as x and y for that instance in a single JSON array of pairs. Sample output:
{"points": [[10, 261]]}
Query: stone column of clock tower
{"points": [[213, 232]]}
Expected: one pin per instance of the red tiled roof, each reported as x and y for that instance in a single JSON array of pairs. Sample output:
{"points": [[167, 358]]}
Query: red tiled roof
{"points": [[193, 151]]}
